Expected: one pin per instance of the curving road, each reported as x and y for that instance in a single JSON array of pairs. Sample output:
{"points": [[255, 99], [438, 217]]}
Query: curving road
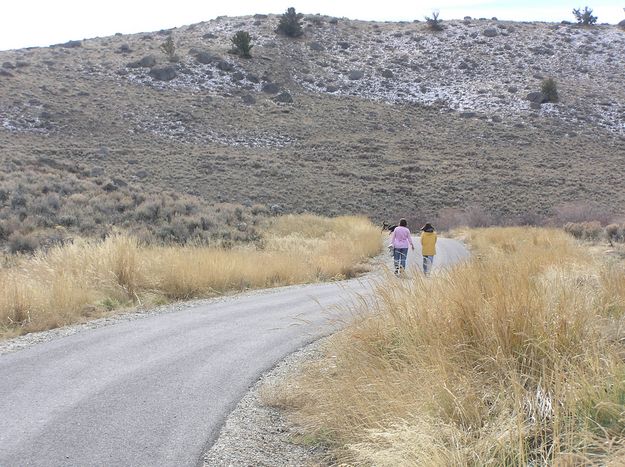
{"points": [[155, 391]]}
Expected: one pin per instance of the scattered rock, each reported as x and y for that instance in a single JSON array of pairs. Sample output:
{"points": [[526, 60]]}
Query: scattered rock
{"points": [[166, 73], [388, 74], [513, 89], [97, 172], [110, 186], [496, 119], [6, 73], [275, 209], [343, 45], [355, 75], [8, 65], [490, 32], [260, 16], [119, 182], [209, 35], [316, 46], [253, 78], [125, 49], [284, 98], [142, 174], [331, 88], [22, 63], [271, 88], [248, 99]]}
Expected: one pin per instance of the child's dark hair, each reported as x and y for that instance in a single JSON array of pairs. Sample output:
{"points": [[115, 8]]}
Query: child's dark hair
{"points": [[403, 222]]}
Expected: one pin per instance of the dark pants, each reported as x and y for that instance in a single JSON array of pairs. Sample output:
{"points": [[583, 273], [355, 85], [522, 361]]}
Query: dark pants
{"points": [[399, 258]]}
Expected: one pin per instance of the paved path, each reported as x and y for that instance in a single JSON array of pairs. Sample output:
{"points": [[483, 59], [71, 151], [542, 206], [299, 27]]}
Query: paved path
{"points": [[155, 391]]}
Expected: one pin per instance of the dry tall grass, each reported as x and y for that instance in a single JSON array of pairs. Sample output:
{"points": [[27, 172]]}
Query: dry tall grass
{"points": [[73, 282], [515, 358]]}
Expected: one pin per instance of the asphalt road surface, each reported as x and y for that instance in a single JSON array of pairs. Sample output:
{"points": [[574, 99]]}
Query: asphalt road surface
{"points": [[156, 391]]}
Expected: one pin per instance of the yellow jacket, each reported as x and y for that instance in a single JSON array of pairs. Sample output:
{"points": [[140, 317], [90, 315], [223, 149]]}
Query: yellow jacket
{"points": [[428, 243]]}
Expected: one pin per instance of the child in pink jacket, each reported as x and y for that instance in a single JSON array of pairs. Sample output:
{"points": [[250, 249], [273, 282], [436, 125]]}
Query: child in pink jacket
{"points": [[400, 240]]}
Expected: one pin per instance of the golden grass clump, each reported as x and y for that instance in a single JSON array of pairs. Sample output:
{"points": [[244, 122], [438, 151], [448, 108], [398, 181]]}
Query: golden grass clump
{"points": [[515, 358], [76, 281]]}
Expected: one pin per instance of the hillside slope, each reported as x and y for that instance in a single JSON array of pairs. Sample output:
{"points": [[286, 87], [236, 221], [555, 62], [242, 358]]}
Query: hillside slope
{"points": [[385, 118]]}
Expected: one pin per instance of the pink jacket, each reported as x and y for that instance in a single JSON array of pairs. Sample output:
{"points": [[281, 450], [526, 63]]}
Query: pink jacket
{"points": [[401, 238]]}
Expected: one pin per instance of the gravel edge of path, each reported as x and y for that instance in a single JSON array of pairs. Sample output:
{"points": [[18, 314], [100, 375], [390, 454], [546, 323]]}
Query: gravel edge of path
{"points": [[256, 434]]}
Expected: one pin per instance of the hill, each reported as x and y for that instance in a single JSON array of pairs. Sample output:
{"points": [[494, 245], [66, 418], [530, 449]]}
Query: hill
{"points": [[385, 119]]}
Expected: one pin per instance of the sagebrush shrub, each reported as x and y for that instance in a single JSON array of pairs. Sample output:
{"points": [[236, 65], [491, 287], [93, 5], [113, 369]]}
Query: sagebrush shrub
{"points": [[290, 23], [584, 17], [549, 88]]}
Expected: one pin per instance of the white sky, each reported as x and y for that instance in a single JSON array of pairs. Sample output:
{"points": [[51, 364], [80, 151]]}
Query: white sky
{"points": [[26, 23]]}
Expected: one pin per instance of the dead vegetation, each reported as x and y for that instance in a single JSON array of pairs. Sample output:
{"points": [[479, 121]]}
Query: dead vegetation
{"points": [[88, 278], [512, 359]]}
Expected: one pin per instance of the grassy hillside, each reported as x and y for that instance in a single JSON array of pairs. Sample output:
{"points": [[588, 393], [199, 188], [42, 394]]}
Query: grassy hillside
{"points": [[515, 358], [386, 119]]}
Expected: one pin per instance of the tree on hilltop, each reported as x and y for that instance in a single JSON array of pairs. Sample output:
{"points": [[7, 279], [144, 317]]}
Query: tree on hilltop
{"points": [[584, 17], [290, 23]]}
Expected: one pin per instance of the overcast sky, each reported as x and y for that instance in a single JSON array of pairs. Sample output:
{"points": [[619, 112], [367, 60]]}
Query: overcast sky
{"points": [[26, 23]]}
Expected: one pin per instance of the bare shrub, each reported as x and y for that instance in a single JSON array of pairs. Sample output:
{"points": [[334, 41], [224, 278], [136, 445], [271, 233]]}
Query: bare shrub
{"points": [[580, 211], [434, 23], [584, 230]]}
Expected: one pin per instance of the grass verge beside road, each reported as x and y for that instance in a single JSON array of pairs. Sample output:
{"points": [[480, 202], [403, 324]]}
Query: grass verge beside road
{"points": [[88, 278], [515, 358]]}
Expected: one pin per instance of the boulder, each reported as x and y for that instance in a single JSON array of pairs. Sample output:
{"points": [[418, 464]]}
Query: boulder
{"points": [[331, 88], [125, 49], [248, 99], [284, 98], [6, 73], [253, 78], [343, 45], [513, 89], [237, 76], [490, 32], [388, 74], [355, 75], [271, 88], [205, 58], [142, 174], [622, 25], [146, 62], [537, 98], [225, 66], [8, 65], [71, 44], [165, 73], [209, 35]]}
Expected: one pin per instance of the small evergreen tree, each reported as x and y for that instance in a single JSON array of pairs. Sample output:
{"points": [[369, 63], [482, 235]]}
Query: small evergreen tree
{"points": [[290, 23], [434, 23], [169, 48], [585, 17], [242, 42], [550, 89]]}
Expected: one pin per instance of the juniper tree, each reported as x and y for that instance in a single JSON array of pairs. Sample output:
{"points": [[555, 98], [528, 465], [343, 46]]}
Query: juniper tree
{"points": [[169, 48], [290, 23], [585, 17], [242, 42]]}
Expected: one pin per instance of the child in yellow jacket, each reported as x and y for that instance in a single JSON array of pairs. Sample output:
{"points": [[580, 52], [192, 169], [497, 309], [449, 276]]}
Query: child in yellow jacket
{"points": [[428, 247]]}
